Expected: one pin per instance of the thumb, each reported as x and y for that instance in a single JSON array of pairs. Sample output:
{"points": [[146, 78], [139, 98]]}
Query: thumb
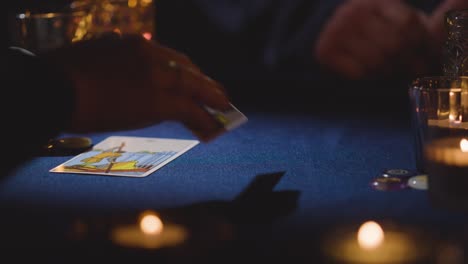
{"points": [[437, 18]]}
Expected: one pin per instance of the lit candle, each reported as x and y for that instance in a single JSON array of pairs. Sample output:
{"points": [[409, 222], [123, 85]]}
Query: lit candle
{"points": [[448, 123], [149, 233], [446, 163], [448, 151], [454, 107], [371, 244]]}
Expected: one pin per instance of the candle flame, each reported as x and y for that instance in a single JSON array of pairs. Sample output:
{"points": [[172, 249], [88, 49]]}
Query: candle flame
{"points": [[147, 35], [464, 145], [117, 31], [370, 235], [151, 224]]}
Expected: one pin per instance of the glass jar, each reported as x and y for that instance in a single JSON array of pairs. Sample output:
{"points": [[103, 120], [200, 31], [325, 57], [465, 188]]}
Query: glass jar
{"points": [[39, 32], [456, 45], [119, 16]]}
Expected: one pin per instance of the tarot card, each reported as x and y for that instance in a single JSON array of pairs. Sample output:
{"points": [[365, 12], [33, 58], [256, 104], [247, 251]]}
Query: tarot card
{"points": [[230, 119], [127, 156]]}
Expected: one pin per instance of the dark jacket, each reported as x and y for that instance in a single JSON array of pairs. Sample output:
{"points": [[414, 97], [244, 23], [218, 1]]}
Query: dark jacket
{"points": [[265, 34], [262, 50], [37, 100]]}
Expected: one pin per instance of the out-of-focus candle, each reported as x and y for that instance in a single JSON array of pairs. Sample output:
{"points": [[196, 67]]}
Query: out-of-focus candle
{"points": [[371, 244], [149, 233], [370, 235], [446, 163], [448, 151]]}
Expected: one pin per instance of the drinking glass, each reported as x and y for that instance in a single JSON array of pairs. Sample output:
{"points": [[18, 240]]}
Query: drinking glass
{"points": [[39, 32], [440, 129]]}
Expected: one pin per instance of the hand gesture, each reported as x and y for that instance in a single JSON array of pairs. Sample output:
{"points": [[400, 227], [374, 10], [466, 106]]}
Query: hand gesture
{"points": [[131, 82]]}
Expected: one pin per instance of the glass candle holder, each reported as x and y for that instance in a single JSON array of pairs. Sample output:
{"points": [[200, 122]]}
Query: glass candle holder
{"points": [[39, 32], [439, 108], [440, 129]]}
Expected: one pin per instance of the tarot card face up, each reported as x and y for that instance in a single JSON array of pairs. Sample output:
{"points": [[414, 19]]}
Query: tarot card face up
{"points": [[127, 156]]}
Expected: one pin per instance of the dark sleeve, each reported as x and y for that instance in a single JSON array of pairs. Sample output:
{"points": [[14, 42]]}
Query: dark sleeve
{"points": [[242, 36], [263, 32], [256, 48], [37, 104], [262, 50]]}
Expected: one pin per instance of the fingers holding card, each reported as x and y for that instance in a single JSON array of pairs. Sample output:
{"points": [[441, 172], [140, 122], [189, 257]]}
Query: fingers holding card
{"points": [[141, 156], [227, 120]]}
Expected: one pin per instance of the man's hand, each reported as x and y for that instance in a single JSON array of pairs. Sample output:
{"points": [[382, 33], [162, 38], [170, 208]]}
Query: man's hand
{"points": [[366, 38], [132, 82]]}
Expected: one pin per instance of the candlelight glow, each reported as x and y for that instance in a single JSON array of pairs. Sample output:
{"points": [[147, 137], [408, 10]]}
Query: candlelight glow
{"points": [[452, 117], [464, 145], [146, 2], [117, 31], [132, 3], [147, 35], [370, 235], [151, 224]]}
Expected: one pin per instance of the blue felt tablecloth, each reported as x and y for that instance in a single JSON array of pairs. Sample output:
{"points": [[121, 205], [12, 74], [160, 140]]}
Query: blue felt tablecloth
{"points": [[329, 162]]}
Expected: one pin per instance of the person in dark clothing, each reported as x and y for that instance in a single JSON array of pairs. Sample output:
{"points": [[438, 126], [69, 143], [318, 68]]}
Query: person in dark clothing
{"points": [[100, 85], [341, 52]]}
